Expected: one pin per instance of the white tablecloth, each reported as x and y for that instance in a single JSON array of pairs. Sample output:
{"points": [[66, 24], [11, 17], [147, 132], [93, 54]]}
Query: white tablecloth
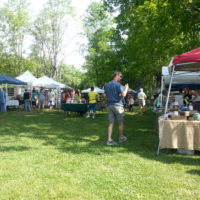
{"points": [[12, 103]]}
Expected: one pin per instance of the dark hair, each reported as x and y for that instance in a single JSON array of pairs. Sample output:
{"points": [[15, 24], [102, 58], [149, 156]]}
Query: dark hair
{"points": [[116, 73], [92, 88]]}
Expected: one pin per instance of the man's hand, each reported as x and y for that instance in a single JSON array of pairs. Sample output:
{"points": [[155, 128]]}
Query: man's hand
{"points": [[125, 91], [126, 86]]}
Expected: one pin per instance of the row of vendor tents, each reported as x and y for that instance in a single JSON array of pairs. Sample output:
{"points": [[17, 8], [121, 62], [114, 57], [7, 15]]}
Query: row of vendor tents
{"points": [[28, 79], [44, 81]]}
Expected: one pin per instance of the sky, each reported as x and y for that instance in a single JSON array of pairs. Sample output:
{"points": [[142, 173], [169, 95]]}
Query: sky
{"points": [[73, 54]]}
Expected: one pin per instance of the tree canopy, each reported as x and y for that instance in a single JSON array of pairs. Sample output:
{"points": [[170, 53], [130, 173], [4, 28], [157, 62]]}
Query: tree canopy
{"points": [[136, 37]]}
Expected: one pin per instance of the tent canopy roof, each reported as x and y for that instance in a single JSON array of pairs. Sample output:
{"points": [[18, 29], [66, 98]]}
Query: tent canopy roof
{"points": [[53, 82], [96, 89], [10, 81], [27, 77], [189, 61]]}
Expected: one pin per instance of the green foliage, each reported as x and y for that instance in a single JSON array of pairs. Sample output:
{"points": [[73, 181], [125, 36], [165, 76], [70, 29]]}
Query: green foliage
{"points": [[10, 65], [99, 29], [48, 31], [69, 75], [147, 35]]}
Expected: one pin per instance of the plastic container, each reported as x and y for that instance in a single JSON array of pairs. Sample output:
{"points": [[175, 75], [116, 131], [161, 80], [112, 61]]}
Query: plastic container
{"points": [[190, 107]]}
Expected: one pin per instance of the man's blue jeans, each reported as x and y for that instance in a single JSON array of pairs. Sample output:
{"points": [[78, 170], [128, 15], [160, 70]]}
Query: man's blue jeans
{"points": [[92, 106], [27, 103], [3, 107]]}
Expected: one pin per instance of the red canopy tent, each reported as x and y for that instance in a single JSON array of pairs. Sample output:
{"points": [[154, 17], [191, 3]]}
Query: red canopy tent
{"points": [[189, 61]]}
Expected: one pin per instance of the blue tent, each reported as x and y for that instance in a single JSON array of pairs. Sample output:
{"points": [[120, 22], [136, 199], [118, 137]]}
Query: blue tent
{"points": [[10, 81]]}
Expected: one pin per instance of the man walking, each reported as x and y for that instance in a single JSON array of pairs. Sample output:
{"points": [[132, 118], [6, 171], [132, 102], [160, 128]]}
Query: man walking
{"points": [[114, 92], [142, 97]]}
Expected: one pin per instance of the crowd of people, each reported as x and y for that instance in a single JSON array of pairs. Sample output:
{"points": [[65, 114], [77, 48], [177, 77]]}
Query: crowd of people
{"points": [[31, 99], [116, 96]]}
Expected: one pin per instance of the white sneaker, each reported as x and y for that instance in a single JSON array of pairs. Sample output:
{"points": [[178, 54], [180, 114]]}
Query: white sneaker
{"points": [[123, 139], [87, 117], [93, 117]]}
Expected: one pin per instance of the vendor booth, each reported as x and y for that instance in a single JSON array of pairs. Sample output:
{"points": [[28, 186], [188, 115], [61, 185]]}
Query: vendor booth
{"points": [[27, 77], [7, 81], [181, 131], [80, 109], [54, 83]]}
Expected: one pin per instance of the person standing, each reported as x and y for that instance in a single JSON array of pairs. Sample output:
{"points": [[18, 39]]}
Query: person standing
{"points": [[72, 94], [26, 100], [50, 99], [142, 98], [33, 97], [114, 92], [2, 100], [189, 96], [92, 102], [131, 103], [41, 98], [78, 96]]}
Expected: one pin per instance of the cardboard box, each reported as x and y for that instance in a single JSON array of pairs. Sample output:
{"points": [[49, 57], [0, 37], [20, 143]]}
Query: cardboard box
{"points": [[190, 118], [174, 117], [188, 113]]}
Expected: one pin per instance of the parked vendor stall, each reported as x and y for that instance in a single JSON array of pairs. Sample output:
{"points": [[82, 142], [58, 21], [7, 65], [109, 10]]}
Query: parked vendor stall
{"points": [[187, 62]]}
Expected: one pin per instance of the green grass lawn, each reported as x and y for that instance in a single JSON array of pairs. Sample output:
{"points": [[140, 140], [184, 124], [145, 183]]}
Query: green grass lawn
{"points": [[51, 156]]}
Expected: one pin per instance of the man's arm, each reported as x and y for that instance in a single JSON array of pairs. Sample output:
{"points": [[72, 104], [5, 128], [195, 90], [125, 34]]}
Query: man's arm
{"points": [[123, 94], [195, 95]]}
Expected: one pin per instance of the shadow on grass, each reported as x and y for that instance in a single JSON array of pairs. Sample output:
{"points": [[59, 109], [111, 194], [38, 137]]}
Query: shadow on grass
{"points": [[194, 172], [79, 135], [13, 148]]}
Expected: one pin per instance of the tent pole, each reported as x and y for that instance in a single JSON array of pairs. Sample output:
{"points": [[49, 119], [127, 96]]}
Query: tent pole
{"points": [[6, 96], [166, 106], [161, 89]]}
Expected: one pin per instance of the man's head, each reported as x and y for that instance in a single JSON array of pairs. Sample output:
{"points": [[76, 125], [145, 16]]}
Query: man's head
{"points": [[92, 88], [141, 89], [25, 90], [117, 76]]}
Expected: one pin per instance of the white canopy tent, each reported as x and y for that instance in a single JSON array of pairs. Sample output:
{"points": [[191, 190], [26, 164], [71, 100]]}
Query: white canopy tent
{"points": [[27, 77], [96, 89], [32, 81], [52, 82]]}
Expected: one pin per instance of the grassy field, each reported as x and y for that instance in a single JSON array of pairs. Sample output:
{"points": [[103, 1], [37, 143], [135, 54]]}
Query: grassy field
{"points": [[52, 156]]}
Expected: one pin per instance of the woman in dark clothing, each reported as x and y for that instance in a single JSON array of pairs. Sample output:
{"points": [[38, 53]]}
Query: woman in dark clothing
{"points": [[26, 100], [187, 96]]}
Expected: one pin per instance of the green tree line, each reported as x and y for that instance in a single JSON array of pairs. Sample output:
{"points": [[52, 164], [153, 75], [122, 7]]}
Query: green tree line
{"points": [[138, 37], [46, 34]]}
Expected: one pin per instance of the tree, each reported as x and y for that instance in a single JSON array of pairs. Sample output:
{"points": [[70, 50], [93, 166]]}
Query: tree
{"points": [[49, 30], [14, 25], [99, 30], [154, 31]]}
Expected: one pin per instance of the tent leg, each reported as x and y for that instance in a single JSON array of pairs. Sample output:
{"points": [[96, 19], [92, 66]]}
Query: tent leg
{"points": [[161, 89], [6, 96], [166, 106]]}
